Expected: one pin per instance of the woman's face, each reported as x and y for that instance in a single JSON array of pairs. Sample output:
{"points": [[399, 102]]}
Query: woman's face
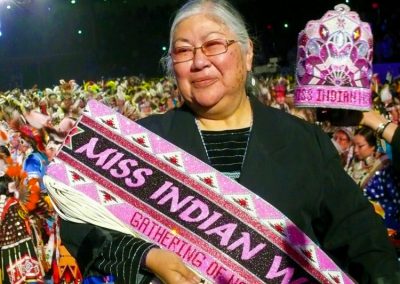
{"points": [[362, 149], [210, 84], [342, 139]]}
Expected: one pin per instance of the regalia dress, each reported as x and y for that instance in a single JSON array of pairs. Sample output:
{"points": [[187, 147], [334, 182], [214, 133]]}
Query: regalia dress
{"points": [[381, 186], [19, 253]]}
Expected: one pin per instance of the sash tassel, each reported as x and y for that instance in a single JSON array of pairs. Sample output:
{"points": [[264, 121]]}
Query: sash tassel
{"points": [[74, 206]]}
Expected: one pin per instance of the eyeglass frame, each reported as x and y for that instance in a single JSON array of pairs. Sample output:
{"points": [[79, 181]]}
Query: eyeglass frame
{"points": [[228, 42]]}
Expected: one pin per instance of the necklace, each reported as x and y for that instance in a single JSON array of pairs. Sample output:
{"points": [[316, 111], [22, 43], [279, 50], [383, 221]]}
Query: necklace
{"points": [[361, 171], [202, 139], [233, 168], [234, 133]]}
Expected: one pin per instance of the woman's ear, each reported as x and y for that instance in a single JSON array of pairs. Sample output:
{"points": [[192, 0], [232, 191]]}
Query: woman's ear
{"points": [[249, 56]]}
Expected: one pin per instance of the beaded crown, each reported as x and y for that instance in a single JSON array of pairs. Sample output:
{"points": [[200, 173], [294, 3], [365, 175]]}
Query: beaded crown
{"points": [[334, 62]]}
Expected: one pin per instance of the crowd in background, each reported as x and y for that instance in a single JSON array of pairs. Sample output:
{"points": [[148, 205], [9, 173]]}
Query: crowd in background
{"points": [[35, 121], [53, 111]]}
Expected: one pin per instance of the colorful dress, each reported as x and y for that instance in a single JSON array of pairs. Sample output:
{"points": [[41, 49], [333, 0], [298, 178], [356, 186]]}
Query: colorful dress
{"points": [[381, 186], [19, 261]]}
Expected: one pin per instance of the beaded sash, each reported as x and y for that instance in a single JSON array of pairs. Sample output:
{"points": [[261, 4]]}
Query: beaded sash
{"points": [[219, 228]]}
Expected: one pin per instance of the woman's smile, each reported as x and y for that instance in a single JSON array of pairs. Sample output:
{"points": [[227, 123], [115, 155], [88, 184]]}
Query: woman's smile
{"points": [[203, 82]]}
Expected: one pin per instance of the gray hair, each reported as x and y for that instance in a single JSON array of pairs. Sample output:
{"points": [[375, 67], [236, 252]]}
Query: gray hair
{"points": [[221, 10]]}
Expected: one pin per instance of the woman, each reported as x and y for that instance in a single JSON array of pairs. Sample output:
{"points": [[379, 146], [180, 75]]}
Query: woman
{"points": [[387, 130], [342, 139], [373, 172], [21, 256], [287, 161]]}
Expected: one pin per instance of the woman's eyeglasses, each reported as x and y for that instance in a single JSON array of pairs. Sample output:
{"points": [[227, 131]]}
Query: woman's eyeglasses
{"points": [[209, 48]]}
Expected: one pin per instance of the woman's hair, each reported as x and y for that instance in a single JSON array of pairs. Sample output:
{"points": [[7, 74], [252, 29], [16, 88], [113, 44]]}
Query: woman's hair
{"points": [[4, 182], [4, 151], [219, 10], [368, 134]]}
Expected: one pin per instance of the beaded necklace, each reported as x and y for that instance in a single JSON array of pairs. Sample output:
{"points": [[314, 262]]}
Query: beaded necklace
{"points": [[205, 147], [204, 144], [361, 171]]}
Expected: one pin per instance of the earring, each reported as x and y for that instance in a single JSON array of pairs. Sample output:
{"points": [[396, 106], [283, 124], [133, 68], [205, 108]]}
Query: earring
{"points": [[251, 84]]}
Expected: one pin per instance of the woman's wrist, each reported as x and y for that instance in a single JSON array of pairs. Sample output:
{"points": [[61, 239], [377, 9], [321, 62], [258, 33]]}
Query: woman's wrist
{"points": [[372, 119], [143, 263], [381, 128]]}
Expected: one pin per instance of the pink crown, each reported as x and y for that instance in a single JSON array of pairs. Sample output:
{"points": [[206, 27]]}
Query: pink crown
{"points": [[334, 62]]}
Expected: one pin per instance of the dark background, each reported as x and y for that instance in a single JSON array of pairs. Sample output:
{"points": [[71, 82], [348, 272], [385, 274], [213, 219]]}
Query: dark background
{"points": [[40, 43]]}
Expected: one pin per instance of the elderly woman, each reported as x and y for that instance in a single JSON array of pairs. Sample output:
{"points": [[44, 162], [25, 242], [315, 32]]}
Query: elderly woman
{"points": [[285, 160], [342, 139]]}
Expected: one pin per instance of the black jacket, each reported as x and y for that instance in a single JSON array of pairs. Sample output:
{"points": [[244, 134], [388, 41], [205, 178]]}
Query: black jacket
{"points": [[293, 165]]}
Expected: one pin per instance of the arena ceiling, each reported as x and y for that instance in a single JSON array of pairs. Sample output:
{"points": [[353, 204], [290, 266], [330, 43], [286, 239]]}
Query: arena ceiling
{"points": [[45, 40]]}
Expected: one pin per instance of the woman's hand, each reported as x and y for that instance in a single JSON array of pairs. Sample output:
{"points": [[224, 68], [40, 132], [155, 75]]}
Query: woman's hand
{"points": [[169, 268], [372, 119]]}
